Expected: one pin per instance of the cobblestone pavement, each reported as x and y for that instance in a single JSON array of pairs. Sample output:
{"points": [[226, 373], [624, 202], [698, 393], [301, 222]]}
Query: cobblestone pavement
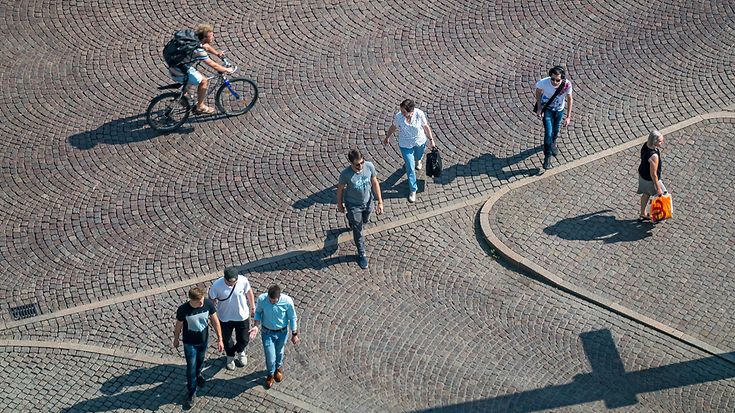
{"points": [[462, 331], [581, 225], [97, 205], [94, 205]]}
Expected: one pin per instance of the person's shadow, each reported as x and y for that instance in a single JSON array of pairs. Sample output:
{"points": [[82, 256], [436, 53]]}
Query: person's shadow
{"points": [[597, 226], [170, 390]]}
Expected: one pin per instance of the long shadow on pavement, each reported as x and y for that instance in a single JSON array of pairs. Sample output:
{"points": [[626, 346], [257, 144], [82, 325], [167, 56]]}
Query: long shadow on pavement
{"points": [[597, 226], [171, 390], [128, 130], [608, 382]]}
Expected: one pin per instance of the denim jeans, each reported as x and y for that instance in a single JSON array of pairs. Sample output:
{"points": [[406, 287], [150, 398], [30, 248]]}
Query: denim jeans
{"points": [[552, 124], [273, 345], [358, 215], [194, 354], [242, 336], [410, 156]]}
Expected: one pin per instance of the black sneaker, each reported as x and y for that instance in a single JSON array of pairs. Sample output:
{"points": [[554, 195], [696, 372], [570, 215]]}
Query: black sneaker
{"points": [[362, 261], [201, 381], [190, 401], [554, 149], [547, 162]]}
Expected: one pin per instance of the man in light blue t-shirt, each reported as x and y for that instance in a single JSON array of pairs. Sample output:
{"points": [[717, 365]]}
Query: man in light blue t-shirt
{"points": [[354, 195]]}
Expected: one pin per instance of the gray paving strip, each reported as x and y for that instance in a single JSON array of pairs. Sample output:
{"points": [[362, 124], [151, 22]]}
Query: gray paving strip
{"points": [[51, 345], [589, 296]]}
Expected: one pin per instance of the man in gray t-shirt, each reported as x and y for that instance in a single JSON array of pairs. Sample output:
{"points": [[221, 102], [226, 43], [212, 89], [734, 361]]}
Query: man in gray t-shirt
{"points": [[357, 183]]}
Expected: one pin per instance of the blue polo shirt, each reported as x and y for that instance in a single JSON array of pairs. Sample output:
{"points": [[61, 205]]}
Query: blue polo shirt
{"points": [[275, 316]]}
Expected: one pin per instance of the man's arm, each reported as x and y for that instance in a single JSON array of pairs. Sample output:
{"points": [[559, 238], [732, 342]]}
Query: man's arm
{"points": [[214, 320], [251, 300], [340, 197], [430, 134], [378, 194], [292, 322], [388, 134], [210, 49], [177, 332], [568, 118], [539, 92]]}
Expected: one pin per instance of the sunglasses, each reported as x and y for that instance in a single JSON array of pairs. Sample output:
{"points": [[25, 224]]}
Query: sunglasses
{"points": [[362, 162]]}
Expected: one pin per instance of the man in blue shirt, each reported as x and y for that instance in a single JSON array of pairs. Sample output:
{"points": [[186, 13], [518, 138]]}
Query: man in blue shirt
{"points": [[275, 313], [357, 184]]}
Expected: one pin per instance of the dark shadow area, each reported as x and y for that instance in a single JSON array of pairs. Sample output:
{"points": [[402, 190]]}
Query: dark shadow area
{"points": [[608, 382], [128, 130], [303, 259], [597, 226], [490, 165], [171, 390]]}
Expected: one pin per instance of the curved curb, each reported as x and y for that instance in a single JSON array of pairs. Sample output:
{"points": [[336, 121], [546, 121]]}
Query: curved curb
{"points": [[158, 360], [556, 281]]}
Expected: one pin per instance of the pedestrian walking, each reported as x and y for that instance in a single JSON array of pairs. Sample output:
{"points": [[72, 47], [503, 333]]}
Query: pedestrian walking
{"points": [[235, 304], [649, 171], [274, 314], [553, 100], [193, 319], [357, 184], [413, 130]]}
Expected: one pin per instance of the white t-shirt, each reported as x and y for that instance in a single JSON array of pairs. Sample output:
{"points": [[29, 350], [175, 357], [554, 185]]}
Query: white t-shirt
{"points": [[236, 307], [547, 91], [411, 134]]}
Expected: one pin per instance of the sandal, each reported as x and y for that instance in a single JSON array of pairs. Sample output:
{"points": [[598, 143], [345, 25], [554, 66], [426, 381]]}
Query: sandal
{"points": [[207, 110]]}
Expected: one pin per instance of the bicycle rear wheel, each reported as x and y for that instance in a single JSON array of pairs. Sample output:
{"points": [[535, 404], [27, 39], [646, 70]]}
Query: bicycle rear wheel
{"points": [[236, 96], [167, 112]]}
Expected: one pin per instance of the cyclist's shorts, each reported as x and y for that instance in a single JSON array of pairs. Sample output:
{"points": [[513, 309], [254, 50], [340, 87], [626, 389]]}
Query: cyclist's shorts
{"points": [[195, 78]]}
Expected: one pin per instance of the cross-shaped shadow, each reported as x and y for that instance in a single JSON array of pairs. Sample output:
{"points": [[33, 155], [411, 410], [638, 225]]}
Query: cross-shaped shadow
{"points": [[608, 382]]}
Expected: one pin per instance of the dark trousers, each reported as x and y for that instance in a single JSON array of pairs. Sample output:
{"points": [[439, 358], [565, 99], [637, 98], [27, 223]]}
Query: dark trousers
{"points": [[552, 124], [194, 354], [242, 336], [357, 215]]}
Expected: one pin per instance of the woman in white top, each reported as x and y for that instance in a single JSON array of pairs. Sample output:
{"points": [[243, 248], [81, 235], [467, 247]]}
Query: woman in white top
{"points": [[413, 129]]}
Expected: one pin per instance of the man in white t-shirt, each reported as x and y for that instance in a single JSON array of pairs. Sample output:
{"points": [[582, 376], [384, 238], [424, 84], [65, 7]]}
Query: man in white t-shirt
{"points": [[552, 112], [235, 305]]}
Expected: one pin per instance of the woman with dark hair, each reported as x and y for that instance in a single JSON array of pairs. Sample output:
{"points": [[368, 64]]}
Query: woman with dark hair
{"points": [[413, 130], [649, 171]]}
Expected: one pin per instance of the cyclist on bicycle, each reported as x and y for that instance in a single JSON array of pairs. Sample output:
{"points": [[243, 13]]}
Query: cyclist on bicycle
{"points": [[205, 32]]}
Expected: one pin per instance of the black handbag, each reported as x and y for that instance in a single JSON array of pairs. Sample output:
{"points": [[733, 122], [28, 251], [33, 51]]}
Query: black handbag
{"points": [[434, 163], [556, 93]]}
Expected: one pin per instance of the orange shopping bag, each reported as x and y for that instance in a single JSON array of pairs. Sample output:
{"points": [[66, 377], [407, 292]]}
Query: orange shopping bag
{"points": [[660, 207]]}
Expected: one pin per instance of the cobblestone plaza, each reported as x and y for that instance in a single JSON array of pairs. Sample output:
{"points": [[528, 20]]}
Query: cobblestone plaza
{"points": [[497, 291]]}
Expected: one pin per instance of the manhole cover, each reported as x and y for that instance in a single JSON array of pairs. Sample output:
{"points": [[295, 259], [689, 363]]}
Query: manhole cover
{"points": [[23, 311]]}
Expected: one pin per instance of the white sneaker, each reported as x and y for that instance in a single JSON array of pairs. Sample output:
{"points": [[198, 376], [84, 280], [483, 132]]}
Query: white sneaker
{"points": [[230, 363], [412, 197], [241, 359], [419, 164]]}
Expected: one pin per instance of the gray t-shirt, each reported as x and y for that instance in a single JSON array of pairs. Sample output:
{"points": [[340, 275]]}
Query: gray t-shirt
{"points": [[358, 190]]}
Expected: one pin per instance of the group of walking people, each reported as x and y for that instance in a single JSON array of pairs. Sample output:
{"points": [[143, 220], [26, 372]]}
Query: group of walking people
{"points": [[228, 308]]}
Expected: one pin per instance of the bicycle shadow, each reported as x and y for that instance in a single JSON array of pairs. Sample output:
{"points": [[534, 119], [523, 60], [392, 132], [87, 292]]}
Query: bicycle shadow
{"points": [[598, 227], [131, 129], [171, 388]]}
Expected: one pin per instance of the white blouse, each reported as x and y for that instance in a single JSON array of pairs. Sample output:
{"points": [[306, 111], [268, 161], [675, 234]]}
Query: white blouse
{"points": [[411, 133]]}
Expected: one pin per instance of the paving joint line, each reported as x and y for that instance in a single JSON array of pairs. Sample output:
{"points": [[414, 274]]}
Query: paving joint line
{"points": [[157, 360], [555, 281]]}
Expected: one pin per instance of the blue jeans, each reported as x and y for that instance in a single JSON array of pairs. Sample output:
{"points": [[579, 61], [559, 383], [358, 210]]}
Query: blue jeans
{"points": [[552, 124], [358, 215], [410, 155], [273, 345], [194, 354]]}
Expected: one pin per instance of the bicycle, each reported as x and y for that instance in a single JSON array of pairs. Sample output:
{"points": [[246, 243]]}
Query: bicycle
{"points": [[235, 96]]}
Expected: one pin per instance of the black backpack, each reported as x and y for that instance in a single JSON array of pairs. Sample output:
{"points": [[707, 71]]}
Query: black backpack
{"points": [[434, 163], [179, 50]]}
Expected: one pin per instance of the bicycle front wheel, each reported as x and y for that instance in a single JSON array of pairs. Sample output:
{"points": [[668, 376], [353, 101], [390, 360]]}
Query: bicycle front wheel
{"points": [[236, 96], [167, 112]]}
